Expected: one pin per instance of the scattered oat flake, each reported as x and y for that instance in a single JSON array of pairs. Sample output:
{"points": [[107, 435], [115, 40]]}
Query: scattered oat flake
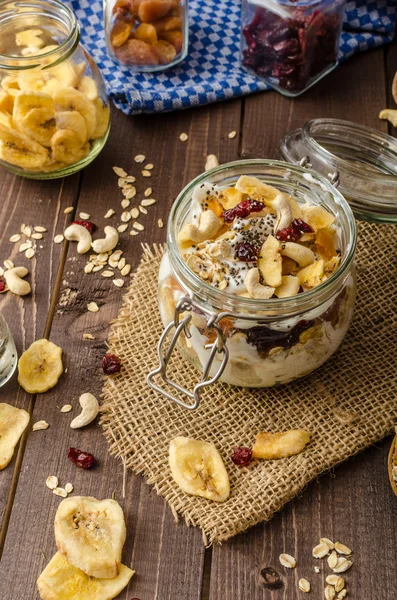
{"points": [[343, 565], [39, 425], [119, 172], [126, 216], [52, 482], [58, 491], [342, 548], [337, 581], [125, 270], [183, 137], [8, 264], [130, 179], [134, 213], [97, 268], [304, 585], [24, 246], [129, 193], [146, 173], [39, 228], [160, 223], [329, 592], [148, 192], [121, 263], [148, 202], [121, 182], [332, 559], [139, 158], [342, 594], [84, 216], [88, 336], [149, 167], [317, 569], [109, 213], [88, 267], [37, 236], [138, 226], [320, 551], [232, 135], [143, 210], [58, 239], [15, 238], [118, 282], [287, 561], [68, 210], [30, 252], [125, 203], [92, 307], [26, 230], [66, 408], [328, 542], [132, 232], [107, 273], [69, 488]]}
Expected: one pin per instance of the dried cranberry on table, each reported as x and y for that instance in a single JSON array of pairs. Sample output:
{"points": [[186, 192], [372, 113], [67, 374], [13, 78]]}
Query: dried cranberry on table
{"points": [[2, 285], [242, 210], [242, 456], [87, 224], [111, 364], [85, 460]]}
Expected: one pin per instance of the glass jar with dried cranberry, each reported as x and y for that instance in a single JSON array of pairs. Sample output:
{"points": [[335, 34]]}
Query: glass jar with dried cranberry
{"points": [[147, 35], [224, 331], [291, 44]]}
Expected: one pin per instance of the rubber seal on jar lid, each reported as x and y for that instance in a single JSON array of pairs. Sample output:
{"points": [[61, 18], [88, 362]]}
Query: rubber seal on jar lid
{"points": [[365, 158]]}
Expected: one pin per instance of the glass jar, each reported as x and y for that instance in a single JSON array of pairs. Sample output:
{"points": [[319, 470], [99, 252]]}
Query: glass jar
{"points": [[147, 35], [364, 158], [291, 44], [54, 113], [244, 341], [8, 352]]}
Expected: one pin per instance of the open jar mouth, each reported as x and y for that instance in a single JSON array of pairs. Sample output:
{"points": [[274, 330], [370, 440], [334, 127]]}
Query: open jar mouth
{"points": [[294, 180], [51, 14], [365, 158]]}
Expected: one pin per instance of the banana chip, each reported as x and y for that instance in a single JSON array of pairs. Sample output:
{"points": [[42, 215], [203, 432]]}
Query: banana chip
{"points": [[62, 581], [73, 121], [73, 100], [66, 147], [280, 445], [88, 87], [13, 422], [198, 469], [102, 119], [30, 37], [91, 533], [27, 101], [18, 149], [39, 124], [40, 367]]}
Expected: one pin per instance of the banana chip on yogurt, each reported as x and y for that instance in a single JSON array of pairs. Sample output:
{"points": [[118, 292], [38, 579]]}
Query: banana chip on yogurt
{"points": [[13, 422]]}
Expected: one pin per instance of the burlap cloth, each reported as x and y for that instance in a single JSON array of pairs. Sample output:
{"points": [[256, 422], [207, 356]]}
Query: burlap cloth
{"points": [[348, 404]]}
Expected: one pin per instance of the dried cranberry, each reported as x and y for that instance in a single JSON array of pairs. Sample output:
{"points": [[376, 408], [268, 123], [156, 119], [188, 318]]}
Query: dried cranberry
{"points": [[85, 460], [246, 252], [242, 210], [294, 231], [111, 364], [87, 224], [241, 456], [264, 338], [2, 284], [272, 579]]}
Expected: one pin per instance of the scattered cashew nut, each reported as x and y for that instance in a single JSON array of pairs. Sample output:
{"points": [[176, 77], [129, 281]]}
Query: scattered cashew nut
{"points": [[390, 115], [208, 228], [16, 284], [255, 288], [90, 409], [300, 254], [211, 162], [284, 212], [78, 233], [107, 243]]}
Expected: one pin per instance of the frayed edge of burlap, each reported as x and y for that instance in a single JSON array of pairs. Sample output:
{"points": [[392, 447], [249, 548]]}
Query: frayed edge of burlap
{"points": [[180, 504]]}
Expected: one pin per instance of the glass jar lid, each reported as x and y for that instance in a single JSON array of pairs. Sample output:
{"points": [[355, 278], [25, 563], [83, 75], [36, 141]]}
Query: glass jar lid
{"points": [[363, 160]]}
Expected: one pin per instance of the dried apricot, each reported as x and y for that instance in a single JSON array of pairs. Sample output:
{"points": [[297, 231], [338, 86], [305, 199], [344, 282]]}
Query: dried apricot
{"points": [[120, 33], [150, 10], [136, 52], [175, 38], [165, 52], [146, 33], [167, 24]]}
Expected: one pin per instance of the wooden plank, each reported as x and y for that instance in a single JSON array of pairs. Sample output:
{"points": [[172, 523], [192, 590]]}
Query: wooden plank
{"points": [[356, 506], [32, 203], [168, 558]]}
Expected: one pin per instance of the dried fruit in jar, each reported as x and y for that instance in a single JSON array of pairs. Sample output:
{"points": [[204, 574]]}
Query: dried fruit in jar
{"points": [[167, 24], [146, 32], [165, 51], [59, 580], [120, 32], [13, 422], [40, 367], [175, 38], [271, 446], [136, 52], [85, 460], [150, 10]]}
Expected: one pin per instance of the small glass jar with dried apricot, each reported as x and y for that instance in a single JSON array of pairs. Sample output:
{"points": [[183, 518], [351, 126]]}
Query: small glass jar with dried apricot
{"points": [[147, 35], [258, 281], [54, 112]]}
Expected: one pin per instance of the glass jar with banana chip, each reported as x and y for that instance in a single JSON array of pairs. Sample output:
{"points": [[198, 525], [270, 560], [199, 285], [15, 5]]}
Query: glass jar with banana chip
{"points": [[258, 284], [54, 112]]}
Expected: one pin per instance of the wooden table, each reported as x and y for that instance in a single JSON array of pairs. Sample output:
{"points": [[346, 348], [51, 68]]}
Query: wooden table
{"points": [[354, 503]]}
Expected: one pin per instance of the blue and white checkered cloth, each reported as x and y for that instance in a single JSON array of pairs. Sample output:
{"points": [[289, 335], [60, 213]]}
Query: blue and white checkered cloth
{"points": [[211, 71]]}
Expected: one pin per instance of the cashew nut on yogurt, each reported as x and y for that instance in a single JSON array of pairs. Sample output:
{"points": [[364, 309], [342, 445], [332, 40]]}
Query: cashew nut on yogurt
{"points": [[90, 409], [255, 288], [207, 229], [78, 233], [15, 283], [107, 243]]}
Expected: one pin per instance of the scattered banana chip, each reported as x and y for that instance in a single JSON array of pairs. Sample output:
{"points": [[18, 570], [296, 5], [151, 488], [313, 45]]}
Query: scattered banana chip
{"points": [[91, 533], [280, 445], [40, 367], [62, 581], [198, 469], [13, 422]]}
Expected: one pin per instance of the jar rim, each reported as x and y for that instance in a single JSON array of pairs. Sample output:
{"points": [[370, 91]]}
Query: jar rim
{"points": [[63, 13], [222, 298]]}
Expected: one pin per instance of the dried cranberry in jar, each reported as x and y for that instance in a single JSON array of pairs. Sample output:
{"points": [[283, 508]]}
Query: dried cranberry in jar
{"points": [[111, 364], [85, 460], [292, 233], [242, 210], [242, 456], [87, 224], [246, 252]]}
